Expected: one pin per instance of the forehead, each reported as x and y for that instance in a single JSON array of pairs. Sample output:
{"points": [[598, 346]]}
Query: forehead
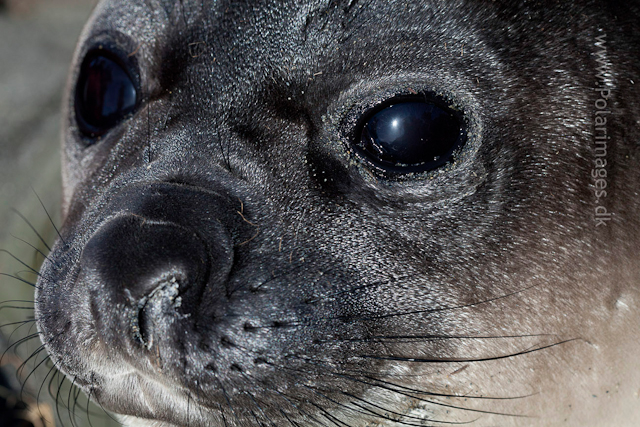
{"points": [[151, 20], [242, 42], [283, 25]]}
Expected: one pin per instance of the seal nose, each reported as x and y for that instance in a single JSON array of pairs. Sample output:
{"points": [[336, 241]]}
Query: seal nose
{"points": [[132, 256]]}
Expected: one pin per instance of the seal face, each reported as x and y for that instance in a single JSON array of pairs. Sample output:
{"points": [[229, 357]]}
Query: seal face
{"points": [[362, 213]]}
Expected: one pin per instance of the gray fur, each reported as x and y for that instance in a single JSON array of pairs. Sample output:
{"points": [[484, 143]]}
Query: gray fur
{"points": [[487, 291]]}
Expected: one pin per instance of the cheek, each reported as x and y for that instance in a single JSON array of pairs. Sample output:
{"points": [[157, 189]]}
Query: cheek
{"points": [[78, 164]]}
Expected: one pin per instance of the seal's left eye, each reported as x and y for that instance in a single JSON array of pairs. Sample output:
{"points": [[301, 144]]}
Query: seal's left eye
{"points": [[105, 93]]}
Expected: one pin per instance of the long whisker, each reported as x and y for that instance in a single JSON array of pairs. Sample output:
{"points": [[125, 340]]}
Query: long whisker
{"points": [[32, 246], [53, 224], [462, 359], [19, 260], [33, 285], [32, 228]]}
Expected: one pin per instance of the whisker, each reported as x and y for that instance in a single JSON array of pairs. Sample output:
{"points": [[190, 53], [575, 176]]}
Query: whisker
{"points": [[70, 405], [378, 316], [282, 394], [32, 355], [432, 310], [49, 216], [32, 246], [20, 261], [464, 360], [44, 381], [21, 273], [57, 394], [394, 388], [87, 412], [285, 415], [226, 397], [444, 395], [17, 343], [199, 406], [342, 405], [224, 419], [301, 410], [361, 409], [20, 322], [432, 398], [366, 286], [28, 301], [398, 414], [428, 337], [32, 228], [76, 401], [98, 404], [255, 402], [330, 417], [33, 285], [33, 370], [15, 307]]}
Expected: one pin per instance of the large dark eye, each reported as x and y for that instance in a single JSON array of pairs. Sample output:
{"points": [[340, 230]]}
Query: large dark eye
{"points": [[105, 93], [409, 135]]}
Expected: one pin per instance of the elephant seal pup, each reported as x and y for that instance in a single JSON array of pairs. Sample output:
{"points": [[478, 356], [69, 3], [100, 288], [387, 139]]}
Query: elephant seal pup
{"points": [[351, 213]]}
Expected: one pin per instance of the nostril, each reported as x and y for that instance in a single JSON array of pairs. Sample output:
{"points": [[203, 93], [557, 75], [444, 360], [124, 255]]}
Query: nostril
{"points": [[132, 254], [156, 269], [163, 301]]}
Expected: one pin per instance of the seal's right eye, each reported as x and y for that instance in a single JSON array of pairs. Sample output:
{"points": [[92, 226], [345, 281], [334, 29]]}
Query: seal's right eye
{"points": [[417, 133], [105, 93]]}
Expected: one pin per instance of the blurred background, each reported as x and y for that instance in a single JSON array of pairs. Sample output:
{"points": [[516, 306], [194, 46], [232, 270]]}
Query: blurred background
{"points": [[37, 39]]}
